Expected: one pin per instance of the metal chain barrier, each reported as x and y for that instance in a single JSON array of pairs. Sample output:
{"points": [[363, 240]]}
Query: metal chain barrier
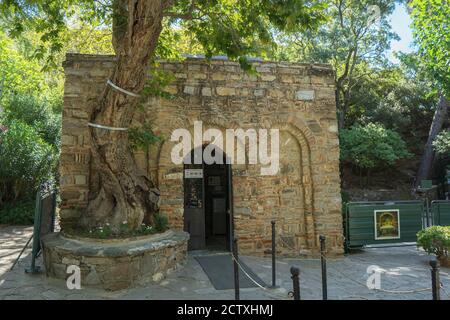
{"points": [[361, 283], [443, 290], [266, 289]]}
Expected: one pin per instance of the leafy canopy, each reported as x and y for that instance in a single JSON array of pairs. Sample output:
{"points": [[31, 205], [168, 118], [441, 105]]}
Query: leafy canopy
{"points": [[371, 146], [351, 40], [18, 74], [232, 27], [431, 24]]}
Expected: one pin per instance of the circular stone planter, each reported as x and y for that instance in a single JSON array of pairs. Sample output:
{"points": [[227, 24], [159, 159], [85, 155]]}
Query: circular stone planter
{"points": [[115, 264]]}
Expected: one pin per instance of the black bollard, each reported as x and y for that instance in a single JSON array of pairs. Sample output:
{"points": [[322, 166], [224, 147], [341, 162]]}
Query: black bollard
{"points": [[324, 268], [295, 272], [435, 283], [236, 269], [274, 250]]}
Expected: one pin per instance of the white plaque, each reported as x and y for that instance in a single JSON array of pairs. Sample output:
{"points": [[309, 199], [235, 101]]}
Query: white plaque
{"points": [[305, 95], [193, 173]]}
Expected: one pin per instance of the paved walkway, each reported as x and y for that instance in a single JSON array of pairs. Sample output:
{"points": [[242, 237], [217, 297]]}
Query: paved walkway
{"points": [[402, 269]]}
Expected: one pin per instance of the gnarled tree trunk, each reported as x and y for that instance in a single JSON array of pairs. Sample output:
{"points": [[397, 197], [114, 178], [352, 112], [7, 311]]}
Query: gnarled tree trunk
{"points": [[121, 193]]}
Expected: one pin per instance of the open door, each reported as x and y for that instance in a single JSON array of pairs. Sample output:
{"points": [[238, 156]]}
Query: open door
{"points": [[207, 206], [194, 206]]}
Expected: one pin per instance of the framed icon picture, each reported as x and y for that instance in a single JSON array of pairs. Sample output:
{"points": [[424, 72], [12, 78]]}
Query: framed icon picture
{"points": [[387, 224]]}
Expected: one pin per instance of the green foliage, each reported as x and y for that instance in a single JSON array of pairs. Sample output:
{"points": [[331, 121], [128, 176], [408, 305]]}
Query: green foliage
{"points": [[143, 137], [26, 160], [432, 34], [398, 97], [232, 27], [18, 75], [158, 82], [49, 19], [160, 222], [348, 42], [435, 240], [124, 231], [21, 213], [36, 114], [371, 146], [442, 143]]}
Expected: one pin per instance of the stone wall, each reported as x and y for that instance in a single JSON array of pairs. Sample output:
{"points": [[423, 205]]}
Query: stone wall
{"points": [[115, 265], [297, 99]]}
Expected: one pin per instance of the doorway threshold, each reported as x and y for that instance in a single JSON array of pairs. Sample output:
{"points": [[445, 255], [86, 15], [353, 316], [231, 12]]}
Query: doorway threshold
{"points": [[207, 252]]}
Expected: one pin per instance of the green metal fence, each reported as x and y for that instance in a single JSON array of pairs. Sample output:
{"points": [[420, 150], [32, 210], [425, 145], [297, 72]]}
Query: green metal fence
{"points": [[44, 221], [381, 223], [440, 212]]}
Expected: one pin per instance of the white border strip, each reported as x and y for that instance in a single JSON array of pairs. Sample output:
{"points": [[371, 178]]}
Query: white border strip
{"points": [[98, 126], [122, 90]]}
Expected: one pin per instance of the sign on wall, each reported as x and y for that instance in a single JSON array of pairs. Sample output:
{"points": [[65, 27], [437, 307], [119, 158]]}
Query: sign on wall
{"points": [[387, 224], [193, 173]]}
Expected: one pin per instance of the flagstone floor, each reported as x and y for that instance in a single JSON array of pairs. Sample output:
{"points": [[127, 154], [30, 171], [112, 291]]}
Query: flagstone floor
{"points": [[403, 273]]}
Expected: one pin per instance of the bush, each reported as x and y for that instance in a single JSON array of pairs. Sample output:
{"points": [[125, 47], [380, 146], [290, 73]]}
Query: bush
{"points": [[372, 146], [36, 114], [160, 222], [435, 240], [26, 160], [21, 213]]}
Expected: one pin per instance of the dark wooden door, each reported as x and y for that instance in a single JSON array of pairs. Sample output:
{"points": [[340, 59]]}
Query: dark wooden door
{"points": [[194, 206]]}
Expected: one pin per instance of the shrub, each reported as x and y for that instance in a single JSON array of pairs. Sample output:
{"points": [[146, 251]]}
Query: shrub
{"points": [[160, 222], [37, 114], [372, 146], [26, 160], [21, 213], [435, 240]]}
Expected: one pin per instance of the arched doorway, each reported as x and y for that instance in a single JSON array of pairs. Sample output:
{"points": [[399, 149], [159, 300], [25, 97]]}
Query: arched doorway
{"points": [[208, 204]]}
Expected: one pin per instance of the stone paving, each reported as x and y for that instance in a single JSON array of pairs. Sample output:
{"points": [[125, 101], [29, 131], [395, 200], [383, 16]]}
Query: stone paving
{"points": [[402, 269]]}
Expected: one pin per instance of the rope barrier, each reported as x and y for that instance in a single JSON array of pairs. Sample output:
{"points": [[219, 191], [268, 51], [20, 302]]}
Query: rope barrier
{"points": [[364, 284], [270, 292], [443, 290]]}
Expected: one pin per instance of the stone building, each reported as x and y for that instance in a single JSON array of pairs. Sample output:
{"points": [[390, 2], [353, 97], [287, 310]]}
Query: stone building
{"points": [[209, 201]]}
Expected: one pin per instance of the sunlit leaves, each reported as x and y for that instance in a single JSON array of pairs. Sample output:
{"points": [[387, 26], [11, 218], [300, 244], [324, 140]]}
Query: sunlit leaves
{"points": [[371, 146], [442, 143], [431, 24]]}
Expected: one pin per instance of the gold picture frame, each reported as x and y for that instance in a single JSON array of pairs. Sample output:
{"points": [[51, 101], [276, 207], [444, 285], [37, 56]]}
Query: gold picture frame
{"points": [[387, 224]]}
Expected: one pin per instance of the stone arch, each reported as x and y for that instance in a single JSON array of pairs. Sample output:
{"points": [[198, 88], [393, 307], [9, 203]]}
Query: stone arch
{"points": [[306, 142], [169, 176]]}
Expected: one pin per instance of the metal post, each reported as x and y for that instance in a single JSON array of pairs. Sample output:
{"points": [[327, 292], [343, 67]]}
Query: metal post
{"points": [[324, 268], [435, 283], [21, 252], [295, 272], [36, 233], [427, 208], [236, 269], [274, 250]]}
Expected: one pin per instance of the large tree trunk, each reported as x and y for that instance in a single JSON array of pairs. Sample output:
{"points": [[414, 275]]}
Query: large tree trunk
{"points": [[119, 193], [427, 158]]}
